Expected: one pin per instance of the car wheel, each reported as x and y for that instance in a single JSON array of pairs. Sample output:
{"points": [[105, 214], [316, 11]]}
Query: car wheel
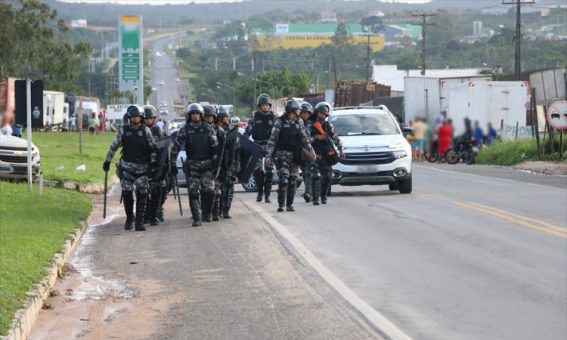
{"points": [[394, 186], [250, 186], [405, 186]]}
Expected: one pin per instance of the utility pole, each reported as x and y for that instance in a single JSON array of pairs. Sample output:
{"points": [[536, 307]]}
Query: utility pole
{"points": [[423, 26], [518, 35]]}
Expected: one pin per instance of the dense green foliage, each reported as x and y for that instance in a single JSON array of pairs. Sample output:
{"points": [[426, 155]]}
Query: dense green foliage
{"points": [[32, 229], [513, 152]]}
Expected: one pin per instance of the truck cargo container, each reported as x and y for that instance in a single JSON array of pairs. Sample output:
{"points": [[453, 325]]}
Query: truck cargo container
{"points": [[502, 103], [351, 93], [54, 112], [428, 96]]}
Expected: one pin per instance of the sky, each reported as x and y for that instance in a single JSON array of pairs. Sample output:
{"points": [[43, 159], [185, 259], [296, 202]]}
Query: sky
{"points": [[180, 2]]}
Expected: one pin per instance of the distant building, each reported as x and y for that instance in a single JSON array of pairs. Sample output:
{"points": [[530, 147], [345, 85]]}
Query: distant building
{"points": [[477, 29], [289, 36], [328, 17], [79, 23], [495, 10]]}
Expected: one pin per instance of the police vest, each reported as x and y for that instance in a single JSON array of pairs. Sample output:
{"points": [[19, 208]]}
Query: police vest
{"points": [[197, 143], [135, 146], [263, 124], [320, 146], [289, 135], [156, 132]]}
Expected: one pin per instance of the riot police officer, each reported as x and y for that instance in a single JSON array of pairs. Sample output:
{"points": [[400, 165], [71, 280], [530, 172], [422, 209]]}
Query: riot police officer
{"points": [[260, 127], [287, 140], [230, 162], [321, 168], [305, 165], [210, 116], [157, 185], [201, 146], [138, 151]]}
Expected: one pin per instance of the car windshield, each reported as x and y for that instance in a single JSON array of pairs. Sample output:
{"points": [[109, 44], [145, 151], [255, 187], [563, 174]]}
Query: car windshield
{"points": [[364, 124]]}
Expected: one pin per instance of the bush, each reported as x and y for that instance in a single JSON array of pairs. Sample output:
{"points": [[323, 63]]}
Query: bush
{"points": [[514, 152], [508, 152]]}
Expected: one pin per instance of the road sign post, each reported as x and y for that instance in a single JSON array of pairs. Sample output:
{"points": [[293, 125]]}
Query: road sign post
{"points": [[29, 132]]}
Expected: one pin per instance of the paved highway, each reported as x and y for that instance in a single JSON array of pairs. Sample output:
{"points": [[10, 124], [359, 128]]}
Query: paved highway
{"points": [[466, 256]]}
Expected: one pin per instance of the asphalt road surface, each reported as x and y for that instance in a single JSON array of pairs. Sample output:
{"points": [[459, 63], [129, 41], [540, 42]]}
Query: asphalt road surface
{"points": [[164, 77], [478, 253]]}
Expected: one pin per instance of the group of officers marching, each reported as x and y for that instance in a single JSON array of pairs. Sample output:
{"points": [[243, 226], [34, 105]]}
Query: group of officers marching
{"points": [[302, 137]]}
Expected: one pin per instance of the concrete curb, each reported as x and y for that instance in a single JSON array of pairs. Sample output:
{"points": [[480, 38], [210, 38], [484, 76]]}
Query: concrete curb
{"points": [[373, 317], [25, 318]]}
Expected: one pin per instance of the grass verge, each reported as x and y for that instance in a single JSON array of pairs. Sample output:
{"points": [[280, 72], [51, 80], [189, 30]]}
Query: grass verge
{"points": [[512, 152], [32, 230], [62, 149]]}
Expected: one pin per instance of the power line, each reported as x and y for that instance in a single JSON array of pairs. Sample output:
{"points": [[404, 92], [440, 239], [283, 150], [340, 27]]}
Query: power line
{"points": [[423, 26], [518, 36]]}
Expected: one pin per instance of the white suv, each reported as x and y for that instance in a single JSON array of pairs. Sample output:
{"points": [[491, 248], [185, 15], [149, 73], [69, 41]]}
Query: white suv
{"points": [[375, 147], [14, 158]]}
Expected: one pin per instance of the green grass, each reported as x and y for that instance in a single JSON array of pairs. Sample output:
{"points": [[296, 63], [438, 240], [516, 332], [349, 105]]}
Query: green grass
{"points": [[512, 152], [32, 230], [62, 148]]}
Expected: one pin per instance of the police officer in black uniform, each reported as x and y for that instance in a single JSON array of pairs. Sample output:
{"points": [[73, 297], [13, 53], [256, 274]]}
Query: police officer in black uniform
{"points": [[260, 127], [287, 141], [138, 151], [230, 159], [321, 168], [157, 185], [210, 116], [202, 150]]}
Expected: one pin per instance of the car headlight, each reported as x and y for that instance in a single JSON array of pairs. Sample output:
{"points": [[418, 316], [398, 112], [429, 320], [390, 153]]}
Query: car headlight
{"points": [[400, 154]]}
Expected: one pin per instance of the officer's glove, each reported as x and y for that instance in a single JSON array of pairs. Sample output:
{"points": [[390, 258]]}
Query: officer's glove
{"points": [[106, 166]]}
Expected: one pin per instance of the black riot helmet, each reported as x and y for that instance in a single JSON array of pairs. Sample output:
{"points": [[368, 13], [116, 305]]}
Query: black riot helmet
{"points": [[133, 111], [208, 110], [222, 112], [150, 112], [323, 107], [292, 106], [263, 99], [194, 107], [306, 107]]}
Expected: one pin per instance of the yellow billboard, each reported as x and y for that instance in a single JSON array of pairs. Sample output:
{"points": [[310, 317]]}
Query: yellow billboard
{"points": [[262, 42]]}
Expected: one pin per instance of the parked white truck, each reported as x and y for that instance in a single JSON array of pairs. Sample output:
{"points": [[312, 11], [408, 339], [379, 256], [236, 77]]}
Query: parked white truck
{"points": [[55, 110]]}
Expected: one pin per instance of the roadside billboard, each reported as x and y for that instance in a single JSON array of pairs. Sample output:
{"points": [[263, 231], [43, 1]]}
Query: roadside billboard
{"points": [[263, 42], [131, 58]]}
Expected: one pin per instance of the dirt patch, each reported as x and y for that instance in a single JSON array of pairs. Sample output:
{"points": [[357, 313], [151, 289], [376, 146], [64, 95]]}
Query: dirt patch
{"points": [[544, 168]]}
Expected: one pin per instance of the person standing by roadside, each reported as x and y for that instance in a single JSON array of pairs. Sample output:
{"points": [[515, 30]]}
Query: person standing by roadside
{"points": [[491, 135], [260, 127], [321, 167], [287, 139], [445, 139], [478, 134], [201, 146], [138, 157], [219, 172], [419, 131]]}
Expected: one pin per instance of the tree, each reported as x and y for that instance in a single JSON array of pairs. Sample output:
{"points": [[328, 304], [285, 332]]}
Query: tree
{"points": [[342, 37]]}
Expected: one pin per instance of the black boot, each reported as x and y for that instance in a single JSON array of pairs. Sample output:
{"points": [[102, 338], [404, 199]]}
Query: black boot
{"points": [[316, 185], [216, 206], [268, 187], [207, 205], [155, 201], [307, 196], [325, 183], [140, 210], [128, 200], [195, 207], [227, 200], [281, 197], [259, 178], [147, 210], [290, 195]]}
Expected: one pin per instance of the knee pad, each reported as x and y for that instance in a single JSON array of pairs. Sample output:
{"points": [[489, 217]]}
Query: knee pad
{"points": [[194, 194]]}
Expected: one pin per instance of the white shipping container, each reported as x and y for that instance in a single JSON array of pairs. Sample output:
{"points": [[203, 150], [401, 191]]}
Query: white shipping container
{"points": [[502, 103], [428, 96], [53, 108]]}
